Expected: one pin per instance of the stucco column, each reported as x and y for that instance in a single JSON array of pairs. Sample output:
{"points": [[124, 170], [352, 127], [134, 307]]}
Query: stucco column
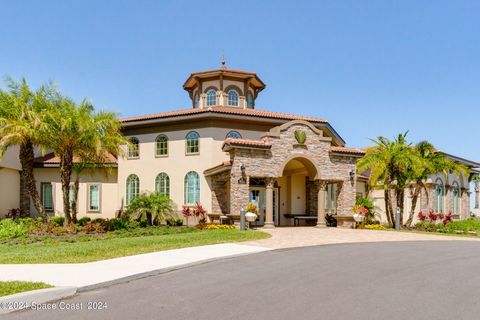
{"points": [[322, 197], [269, 205]]}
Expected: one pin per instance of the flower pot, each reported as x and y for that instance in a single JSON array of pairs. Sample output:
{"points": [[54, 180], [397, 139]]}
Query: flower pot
{"points": [[250, 216], [358, 217]]}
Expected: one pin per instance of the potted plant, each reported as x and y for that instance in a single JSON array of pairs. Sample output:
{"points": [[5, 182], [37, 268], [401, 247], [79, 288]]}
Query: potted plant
{"points": [[251, 214], [360, 213]]}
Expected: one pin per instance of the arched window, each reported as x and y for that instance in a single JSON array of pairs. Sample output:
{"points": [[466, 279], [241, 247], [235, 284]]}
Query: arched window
{"points": [[162, 184], [196, 100], [133, 188], [439, 192], [134, 148], [161, 145], [192, 143], [211, 98], [192, 188], [234, 135], [249, 101], [455, 194], [232, 98]]}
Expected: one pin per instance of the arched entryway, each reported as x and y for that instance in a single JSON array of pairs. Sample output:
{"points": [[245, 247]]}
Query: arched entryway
{"points": [[296, 196]]}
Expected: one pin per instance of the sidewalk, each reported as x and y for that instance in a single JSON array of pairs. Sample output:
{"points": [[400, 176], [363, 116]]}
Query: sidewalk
{"points": [[99, 273]]}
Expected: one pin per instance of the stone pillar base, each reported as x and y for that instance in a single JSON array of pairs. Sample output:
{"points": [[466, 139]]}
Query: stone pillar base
{"points": [[268, 225], [321, 225]]}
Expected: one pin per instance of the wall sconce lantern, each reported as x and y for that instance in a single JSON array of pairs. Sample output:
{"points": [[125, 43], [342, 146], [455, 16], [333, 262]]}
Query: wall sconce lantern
{"points": [[352, 174]]}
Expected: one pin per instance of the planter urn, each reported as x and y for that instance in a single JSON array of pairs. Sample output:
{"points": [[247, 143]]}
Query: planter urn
{"points": [[250, 216]]}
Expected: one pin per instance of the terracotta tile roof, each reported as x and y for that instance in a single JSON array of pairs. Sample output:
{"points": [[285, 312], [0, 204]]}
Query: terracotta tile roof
{"points": [[347, 150], [224, 110], [224, 70], [219, 168], [247, 143], [51, 159]]}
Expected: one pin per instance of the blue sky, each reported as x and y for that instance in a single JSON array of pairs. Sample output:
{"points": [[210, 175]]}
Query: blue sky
{"points": [[370, 67]]}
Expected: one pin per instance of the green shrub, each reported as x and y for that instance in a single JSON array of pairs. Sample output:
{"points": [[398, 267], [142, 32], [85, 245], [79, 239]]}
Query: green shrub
{"points": [[99, 221], [83, 221], [118, 224], [58, 220], [133, 224], [13, 229], [179, 222]]}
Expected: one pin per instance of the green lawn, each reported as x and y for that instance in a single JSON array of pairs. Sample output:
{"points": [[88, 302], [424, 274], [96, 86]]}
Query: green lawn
{"points": [[12, 287], [116, 245]]}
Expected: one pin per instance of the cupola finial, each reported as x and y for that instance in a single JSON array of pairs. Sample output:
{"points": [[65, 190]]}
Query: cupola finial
{"points": [[223, 60]]}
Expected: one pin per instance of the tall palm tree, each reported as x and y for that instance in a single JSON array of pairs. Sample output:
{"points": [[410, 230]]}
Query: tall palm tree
{"points": [[78, 131], [21, 123], [390, 162], [432, 162]]}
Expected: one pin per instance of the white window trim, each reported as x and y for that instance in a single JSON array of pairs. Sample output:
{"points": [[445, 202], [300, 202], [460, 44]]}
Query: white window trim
{"points": [[99, 198]]}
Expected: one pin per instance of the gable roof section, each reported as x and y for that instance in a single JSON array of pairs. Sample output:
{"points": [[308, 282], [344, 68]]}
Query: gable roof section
{"points": [[245, 144], [51, 161], [345, 151]]}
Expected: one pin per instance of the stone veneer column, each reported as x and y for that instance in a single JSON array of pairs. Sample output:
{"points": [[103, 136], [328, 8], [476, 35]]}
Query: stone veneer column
{"points": [[269, 205], [322, 196]]}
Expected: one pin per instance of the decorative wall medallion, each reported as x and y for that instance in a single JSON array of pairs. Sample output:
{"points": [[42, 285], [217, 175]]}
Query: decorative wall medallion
{"points": [[300, 136]]}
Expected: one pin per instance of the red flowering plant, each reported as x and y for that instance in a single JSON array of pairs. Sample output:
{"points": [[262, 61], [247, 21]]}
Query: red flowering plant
{"points": [[360, 210], [200, 212], [432, 216], [186, 212], [421, 216], [441, 216]]}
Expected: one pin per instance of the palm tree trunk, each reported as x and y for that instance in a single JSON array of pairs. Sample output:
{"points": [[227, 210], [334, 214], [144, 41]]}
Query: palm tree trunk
{"points": [[27, 156], [416, 195], [66, 164], [400, 195], [76, 187], [388, 205]]}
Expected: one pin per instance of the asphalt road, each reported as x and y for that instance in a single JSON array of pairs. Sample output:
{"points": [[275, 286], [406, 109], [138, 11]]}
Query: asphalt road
{"points": [[396, 280]]}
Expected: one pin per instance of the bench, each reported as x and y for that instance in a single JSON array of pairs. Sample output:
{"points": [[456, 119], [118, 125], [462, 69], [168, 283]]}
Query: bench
{"points": [[345, 221]]}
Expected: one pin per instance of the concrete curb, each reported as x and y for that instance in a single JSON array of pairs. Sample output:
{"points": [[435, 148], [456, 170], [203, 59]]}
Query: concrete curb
{"points": [[23, 300], [161, 271]]}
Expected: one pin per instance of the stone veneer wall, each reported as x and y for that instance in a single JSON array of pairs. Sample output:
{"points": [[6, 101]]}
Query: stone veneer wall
{"points": [[220, 190], [269, 163]]}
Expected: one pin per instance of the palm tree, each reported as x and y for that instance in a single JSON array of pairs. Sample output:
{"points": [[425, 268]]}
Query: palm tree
{"points": [[432, 162], [390, 162], [153, 207], [21, 123], [77, 131]]}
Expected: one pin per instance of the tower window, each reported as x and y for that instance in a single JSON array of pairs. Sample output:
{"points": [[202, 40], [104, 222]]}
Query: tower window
{"points": [[249, 101], [196, 100], [211, 98], [234, 135], [232, 98]]}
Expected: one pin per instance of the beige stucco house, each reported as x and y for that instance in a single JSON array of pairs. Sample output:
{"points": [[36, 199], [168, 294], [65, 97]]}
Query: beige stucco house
{"points": [[223, 152]]}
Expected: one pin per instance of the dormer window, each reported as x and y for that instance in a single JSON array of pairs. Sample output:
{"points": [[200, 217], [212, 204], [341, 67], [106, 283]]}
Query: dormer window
{"points": [[249, 101], [233, 98], [211, 98]]}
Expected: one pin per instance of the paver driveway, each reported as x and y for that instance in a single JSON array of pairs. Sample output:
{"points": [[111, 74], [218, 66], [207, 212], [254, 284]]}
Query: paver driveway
{"points": [[311, 236]]}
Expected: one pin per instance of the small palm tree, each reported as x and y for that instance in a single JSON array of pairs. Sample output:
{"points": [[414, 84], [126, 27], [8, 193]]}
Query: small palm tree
{"points": [[151, 207], [390, 163], [77, 131], [22, 114]]}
